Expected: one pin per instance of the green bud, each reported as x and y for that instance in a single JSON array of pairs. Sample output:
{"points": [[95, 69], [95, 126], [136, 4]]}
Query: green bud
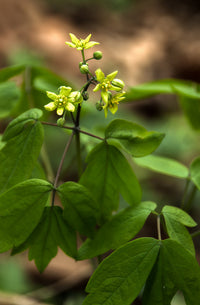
{"points": [[84, 69], [99, 106], [60, 122], [85, 95], [118, 83], [97, 55], [80, 64]]}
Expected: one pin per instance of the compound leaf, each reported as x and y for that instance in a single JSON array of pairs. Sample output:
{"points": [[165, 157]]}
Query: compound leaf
{"points": [[80, 209], [108, 173], [121, 276], [133, 138], [21, 208], [119, 230]]}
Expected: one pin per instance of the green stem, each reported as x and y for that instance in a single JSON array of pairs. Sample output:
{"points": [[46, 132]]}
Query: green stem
{"points": [[185, 193], [74, 128], [188, 204], [158, 227], [28, 86]]}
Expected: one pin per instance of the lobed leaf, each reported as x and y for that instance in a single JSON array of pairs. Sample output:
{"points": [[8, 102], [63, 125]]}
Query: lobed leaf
{"points": [[119, 230], [120, 277], [133, 138], [21, 208], [163, 165], [80, 209], [108, 173]]}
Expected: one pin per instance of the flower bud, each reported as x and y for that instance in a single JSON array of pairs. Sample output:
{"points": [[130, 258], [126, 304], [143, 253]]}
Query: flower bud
{"points": [[84, 69], [60, 122], [118, 83], [85, 95], [99, 106], [97, 55]]}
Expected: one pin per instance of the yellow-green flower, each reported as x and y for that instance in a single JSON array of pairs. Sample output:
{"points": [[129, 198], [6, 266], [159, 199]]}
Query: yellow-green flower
{"points": [[113, 102], [107, 83], [81, 44], [65, 100]]}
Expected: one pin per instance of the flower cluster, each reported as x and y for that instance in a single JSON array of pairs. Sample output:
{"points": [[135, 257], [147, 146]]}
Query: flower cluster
{"points": [[65, 100], [107, 84]]}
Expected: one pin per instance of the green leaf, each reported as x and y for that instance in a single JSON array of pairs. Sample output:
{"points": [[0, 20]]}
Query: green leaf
{"points": [[121, 276], [80, 209], [9, 97], [133, 138], [119, 230], [64, 234], [159, 288], [10, 72], [38, 172], [21, 208], [183, 270], [108, 173], [19, 156], [178, 215], [43, 244], [191, 109], [163, 165], [164, 86], [187, 89], [17, 125], [178, 232], [195, 172]]}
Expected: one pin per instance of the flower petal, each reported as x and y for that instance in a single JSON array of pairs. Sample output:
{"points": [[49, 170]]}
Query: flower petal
{"points": [[60, 110], [112, 75], [70, 44], [65, 90], [114, 108], [100, 75], [87, 39], [105, 96], [52, 95], [50, 107], [90, 44], [70, 107], [98, 87], [74, 39]]}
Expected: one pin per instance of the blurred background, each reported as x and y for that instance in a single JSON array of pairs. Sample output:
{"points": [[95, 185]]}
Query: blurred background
{"points": [[145, 40]]}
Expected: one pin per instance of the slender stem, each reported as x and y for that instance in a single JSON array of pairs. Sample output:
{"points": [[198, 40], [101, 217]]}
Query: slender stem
{"points": [[73, 128], [28, 86], [78, 153], [188, 204], [185, 193], [158, 227], [62, 159], [72, 116]]}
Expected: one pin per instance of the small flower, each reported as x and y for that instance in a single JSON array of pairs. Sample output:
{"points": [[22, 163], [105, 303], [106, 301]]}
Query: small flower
{"points": [[65, 100], [81, 44], [113, 102], [106, 83]]}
